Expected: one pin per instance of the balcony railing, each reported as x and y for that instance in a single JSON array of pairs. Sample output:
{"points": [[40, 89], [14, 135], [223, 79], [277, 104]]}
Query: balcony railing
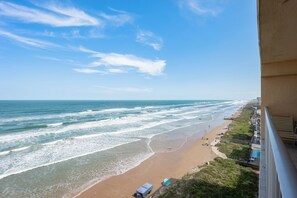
{"points": [[281, 175]]}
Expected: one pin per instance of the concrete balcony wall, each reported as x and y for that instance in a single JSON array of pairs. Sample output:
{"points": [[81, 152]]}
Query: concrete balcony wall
{"points": [[279, 87], [277, 24]]}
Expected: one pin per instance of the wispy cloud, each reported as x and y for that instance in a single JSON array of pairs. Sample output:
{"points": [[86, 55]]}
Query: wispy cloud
{"points": [[111, 60], [89, 71], [96, 32], [150, 39], [116, 71], [73, 33], [118, 19], [86, 50], [105, 89], [51, 14], [200, 7], [70, 61], [96, 71], [27, 41], [76, 33], [47, 33]]}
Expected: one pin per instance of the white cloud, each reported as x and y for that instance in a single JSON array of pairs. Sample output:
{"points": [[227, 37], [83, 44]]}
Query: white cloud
{"points": [[116, 71], [69, 34], [55, 15], [69, 61], [150, 39], [118, 19], [199, 8], [88, 71], [96, 32], [27, 41], [47, 33], [96, 71], [152, 67], [76, 34], [111, 60], [104, 89], [86, 50]]}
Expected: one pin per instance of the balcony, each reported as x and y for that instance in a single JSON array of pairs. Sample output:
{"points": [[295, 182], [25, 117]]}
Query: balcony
{"points": [[278, 173]]}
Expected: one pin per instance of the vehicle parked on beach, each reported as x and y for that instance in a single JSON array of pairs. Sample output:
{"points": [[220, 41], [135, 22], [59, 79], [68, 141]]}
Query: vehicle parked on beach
{"points": [[166, 182], [144, 190]]}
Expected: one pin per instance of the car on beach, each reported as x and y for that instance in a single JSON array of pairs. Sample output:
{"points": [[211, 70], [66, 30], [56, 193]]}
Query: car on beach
{"points": [[144, 190]]}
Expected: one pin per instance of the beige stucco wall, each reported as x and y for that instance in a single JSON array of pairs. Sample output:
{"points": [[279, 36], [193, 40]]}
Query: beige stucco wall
{"points": [[277, 30], [279, 88]]}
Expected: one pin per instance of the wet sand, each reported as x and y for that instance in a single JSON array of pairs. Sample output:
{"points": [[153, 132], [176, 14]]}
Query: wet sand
{"points": [[171, 164]]}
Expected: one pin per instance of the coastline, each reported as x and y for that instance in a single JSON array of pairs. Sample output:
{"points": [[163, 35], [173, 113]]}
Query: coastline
{"points": [[171, 164]]}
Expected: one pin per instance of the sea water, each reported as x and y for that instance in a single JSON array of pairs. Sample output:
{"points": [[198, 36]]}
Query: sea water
{"points": [[59, 148]]}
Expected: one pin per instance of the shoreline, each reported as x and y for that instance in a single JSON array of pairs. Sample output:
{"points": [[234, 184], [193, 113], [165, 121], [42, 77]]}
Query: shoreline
{"points": [[171, 164]]}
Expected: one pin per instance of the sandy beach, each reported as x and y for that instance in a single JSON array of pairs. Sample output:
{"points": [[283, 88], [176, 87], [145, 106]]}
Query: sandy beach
{"points": [[172, 164]]}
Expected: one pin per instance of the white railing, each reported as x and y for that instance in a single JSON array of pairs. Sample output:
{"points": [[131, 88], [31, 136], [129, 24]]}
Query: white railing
{"points": [[281, 173]]}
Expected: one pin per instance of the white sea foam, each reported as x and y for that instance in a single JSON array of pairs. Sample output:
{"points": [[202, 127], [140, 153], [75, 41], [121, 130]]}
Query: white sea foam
{"points": [[55, 124], [52, 154], [131, 123], [62, 150], [239, 102], [20, 149], [14, 150], [93, 124], [128, 130], [64, 115], [4, 152], [81, 113], [94, 112]]}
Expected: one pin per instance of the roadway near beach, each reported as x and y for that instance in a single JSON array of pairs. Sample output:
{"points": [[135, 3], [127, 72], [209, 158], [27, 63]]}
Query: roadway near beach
{"points": [[172, 164]]}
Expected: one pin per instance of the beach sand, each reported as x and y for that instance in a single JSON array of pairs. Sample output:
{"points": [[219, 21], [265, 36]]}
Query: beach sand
{"points": [[173, 164]]}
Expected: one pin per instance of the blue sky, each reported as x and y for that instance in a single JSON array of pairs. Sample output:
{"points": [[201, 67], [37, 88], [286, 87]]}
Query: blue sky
{"points": [[132, 49]]}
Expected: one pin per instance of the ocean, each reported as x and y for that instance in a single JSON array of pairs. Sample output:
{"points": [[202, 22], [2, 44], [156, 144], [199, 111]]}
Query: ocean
{"points": [[59, 148]]}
